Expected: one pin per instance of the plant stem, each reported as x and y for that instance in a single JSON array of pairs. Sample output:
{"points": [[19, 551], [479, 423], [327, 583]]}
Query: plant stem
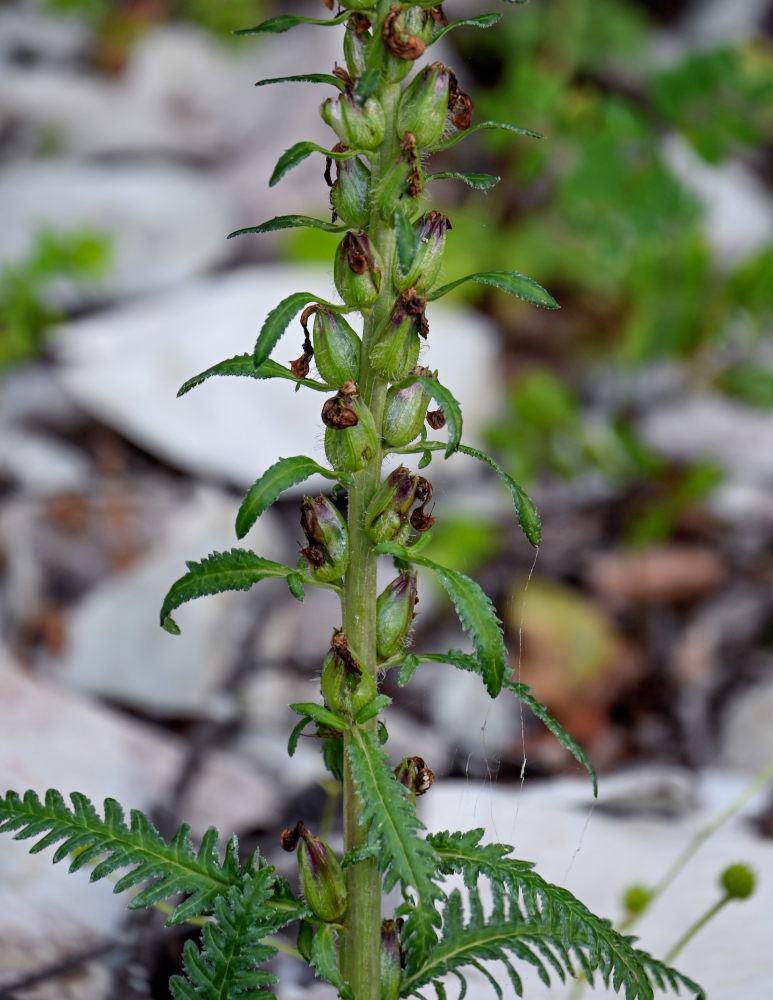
{"points": [[690, 933]]}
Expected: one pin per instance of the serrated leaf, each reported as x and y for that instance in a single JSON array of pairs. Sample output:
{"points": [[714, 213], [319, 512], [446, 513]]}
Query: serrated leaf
{"points": [[324, 960], [525, 510], [357, 854], [275, 480], [407, 670], [277, 322], [450, 409], [283, 22], [238, 569], [321, 715], [481, 21], [305, 78], [244, 365], [481, 182], [475, 611], [407, 240], [509, 281], [393, 829], [299, 152], [486, 127], [289, 222]]}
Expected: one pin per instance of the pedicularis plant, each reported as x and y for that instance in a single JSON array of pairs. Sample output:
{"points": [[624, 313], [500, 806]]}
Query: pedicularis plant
{"points": [[387, 267]]}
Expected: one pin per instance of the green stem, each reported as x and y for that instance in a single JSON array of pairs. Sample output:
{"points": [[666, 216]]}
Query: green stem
{"points": [[690, 933]]}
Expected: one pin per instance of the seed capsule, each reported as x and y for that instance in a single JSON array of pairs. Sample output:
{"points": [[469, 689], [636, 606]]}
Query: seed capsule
{"points": [[356, 42], [360, 126], [394, 614], [398, 33], [415, 775], [322, 878], [405, 412], [386, 518], [350, 194], [350, 446], [345, 687], [431, 232], [391, 960], [336, 347], [357, 271], [396, 349], [423, 108], [327, 551]]}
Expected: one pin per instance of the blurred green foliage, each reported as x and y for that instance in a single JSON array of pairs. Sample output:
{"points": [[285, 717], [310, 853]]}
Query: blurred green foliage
{"points": [[26, 315], [221, 17]]}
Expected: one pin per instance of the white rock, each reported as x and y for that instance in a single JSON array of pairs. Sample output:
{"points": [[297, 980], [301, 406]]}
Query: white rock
{"points": [[53, 39], [40, 465], [717, 22], [234, 428], [115, 646], [166, 222], [597, 857], [747, 736]]}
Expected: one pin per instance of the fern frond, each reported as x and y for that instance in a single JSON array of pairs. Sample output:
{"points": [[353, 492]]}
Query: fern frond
{"points": [[224, 967], [112, 844], [403, 856], [534, 921]]}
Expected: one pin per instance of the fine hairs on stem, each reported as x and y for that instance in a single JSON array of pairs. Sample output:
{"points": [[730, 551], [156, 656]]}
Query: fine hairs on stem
{"points": [[392, 106]]}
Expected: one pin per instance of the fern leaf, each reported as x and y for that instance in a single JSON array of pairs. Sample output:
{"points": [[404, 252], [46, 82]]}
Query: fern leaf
{"points": [[403, 856], [534, 921], [224, 967], [169, 869]]}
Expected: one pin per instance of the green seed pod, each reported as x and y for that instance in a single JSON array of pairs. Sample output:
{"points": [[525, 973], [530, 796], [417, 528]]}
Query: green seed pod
{"points": [[350, 194], [396, 349], [322, 878], [424, 106], [327, 551], [386, 518], [356, 42], [359, 126], [336, 347], [394, 614], [357, 271], [405, 412], [393, 191], [431, 232], [738, 881], [351, 439], [345, 687], [637, 898], [391, 960]]}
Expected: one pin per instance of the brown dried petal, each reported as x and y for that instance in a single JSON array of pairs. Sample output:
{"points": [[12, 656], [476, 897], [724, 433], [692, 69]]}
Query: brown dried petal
{"points": [[435, 419], [338, 413], [340, 646], [397, 38], [421, 521], [438, 15], [360, 22], [300, 367], [424, 490], [288, 839], [357, 256], [349, 388], [461, 110], [329, 4], [314, 554], [424, 780]]}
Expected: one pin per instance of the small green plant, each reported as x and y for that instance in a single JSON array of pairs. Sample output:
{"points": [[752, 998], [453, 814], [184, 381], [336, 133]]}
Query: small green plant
{"points": [[26, 316], [379, 404]]}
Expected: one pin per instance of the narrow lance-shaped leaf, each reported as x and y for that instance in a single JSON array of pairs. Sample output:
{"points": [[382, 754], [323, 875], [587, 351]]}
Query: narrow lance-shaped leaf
{"points": [[481, 182], [275, 480], [244, 365], [486, 127], [289, 222], [367, 83], [321, 715], [324, 960], [509, 281], [481, 21], [238, 569], [278, 319], [450, 410], [407, 240], [283, 22], [476, 614], [305, 78], [525, 510], [299, 152]]}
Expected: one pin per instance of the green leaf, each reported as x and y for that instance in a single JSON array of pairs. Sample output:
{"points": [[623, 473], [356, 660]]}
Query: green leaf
{"points": [[305, 78], [278, 319], [275, 480], [481, 182], [321, 715], [407, 670], [324, 960], [407, 240], [485, 127], [374, 706], [243, 364], [299, 152], [366, 85], [238, 569], [295, 735], [295, 586], [525, 510], [482, 21], [509, 281], [111, 844], [521, 691], [290, 222], [450, 409], [393, 829], [475, 611], [283, 22], [357, 854]]}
